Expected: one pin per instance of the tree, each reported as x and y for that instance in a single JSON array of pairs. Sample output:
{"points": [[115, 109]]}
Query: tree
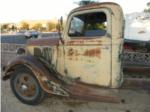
{"points": [[24, 26], [51, 26], [86, 2], [148, 8], [13, 28], [37, 26], [4, 27]]}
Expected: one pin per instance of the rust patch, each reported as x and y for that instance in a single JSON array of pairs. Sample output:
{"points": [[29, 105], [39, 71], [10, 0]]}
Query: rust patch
{"points": [[97, 41], [90, 53], [45, 41], [94, 5], [84, 41], [74, 42], [72, 52], [91, 93], [93, 53]]}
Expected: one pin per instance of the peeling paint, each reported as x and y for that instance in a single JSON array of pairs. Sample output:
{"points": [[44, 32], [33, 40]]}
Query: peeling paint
{"points": [[93, 53], [92, 59]]}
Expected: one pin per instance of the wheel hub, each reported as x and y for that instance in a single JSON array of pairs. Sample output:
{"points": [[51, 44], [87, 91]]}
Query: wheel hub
{"points": [[24, 87]]}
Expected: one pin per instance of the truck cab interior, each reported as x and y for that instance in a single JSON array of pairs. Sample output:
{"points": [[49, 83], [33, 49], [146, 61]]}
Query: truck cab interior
{"points": [[88, 25]]}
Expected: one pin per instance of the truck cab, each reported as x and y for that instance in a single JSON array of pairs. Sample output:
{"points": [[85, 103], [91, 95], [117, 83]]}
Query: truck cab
{"points": [[87, 55], [92, 46]]}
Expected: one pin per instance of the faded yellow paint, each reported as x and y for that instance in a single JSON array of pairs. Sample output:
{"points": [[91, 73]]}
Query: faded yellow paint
{"points": [[93, 61]]}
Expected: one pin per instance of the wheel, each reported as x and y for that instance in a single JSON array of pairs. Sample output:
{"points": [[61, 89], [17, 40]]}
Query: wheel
{"points": [[25, 86]]}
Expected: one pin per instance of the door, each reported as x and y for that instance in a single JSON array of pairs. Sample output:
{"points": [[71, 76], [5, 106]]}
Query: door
{"points": [[88, 47]]}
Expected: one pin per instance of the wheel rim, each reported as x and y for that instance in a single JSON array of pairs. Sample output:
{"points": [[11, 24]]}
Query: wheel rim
{"points": [[26, 86]]}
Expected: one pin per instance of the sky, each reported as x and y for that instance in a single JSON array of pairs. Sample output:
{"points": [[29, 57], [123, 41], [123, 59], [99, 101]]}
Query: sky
{"points": [[18, 10]]}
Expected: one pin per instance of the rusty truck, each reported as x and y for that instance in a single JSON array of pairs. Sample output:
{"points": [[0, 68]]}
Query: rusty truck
{"points": [[85, 62]]}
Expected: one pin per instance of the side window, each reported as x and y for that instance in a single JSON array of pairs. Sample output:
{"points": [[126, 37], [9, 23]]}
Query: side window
{"points": [[76, 27], [88, 25]]}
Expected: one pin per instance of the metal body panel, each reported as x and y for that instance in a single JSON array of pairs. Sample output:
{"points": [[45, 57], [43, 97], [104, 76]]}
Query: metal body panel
{"points": [[53, 85], [117, 46], [40, 72], [92, 66], [86, 60], [93, 60], [115, 33]]}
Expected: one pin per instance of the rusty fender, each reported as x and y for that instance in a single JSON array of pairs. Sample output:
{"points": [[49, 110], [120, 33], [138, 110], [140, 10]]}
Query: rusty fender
{"points": [[38, 69]]}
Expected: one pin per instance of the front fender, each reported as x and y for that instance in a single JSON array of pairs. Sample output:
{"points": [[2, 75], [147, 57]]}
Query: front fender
{"points": [[36, 66], [28, 61]]}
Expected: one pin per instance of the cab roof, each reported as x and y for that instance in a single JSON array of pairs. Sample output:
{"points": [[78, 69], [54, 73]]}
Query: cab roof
{"points": [[94, 6]]}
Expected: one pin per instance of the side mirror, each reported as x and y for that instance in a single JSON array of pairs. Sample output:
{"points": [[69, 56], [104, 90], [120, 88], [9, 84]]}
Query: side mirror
{"points": [[61, 21], [60, 24], [60, 29]]}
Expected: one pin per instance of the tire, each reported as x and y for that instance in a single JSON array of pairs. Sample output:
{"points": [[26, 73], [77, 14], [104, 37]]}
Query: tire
{"points": [[26, 87]]}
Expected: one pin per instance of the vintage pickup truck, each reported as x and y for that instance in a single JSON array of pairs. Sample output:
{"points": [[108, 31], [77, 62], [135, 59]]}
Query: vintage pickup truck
{"points": [[85, 62]]}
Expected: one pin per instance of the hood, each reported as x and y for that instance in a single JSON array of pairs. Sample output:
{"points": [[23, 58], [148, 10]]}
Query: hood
{"points": [[43, 42]]}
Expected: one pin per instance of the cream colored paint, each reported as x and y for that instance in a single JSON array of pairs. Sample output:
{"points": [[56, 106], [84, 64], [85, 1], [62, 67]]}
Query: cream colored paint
{"points": [[117, 45], [91, 69], [103, 71]]}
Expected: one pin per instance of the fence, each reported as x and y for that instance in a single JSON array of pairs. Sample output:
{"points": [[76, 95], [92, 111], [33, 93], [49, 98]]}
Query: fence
{"points": [[136, 59]]}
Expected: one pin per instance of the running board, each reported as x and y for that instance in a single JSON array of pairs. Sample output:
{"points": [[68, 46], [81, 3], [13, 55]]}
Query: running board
{"points": [[92, 93]]}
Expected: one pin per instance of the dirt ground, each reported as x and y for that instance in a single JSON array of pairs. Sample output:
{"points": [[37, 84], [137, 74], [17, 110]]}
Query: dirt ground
{"points": [[136, 101]]}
